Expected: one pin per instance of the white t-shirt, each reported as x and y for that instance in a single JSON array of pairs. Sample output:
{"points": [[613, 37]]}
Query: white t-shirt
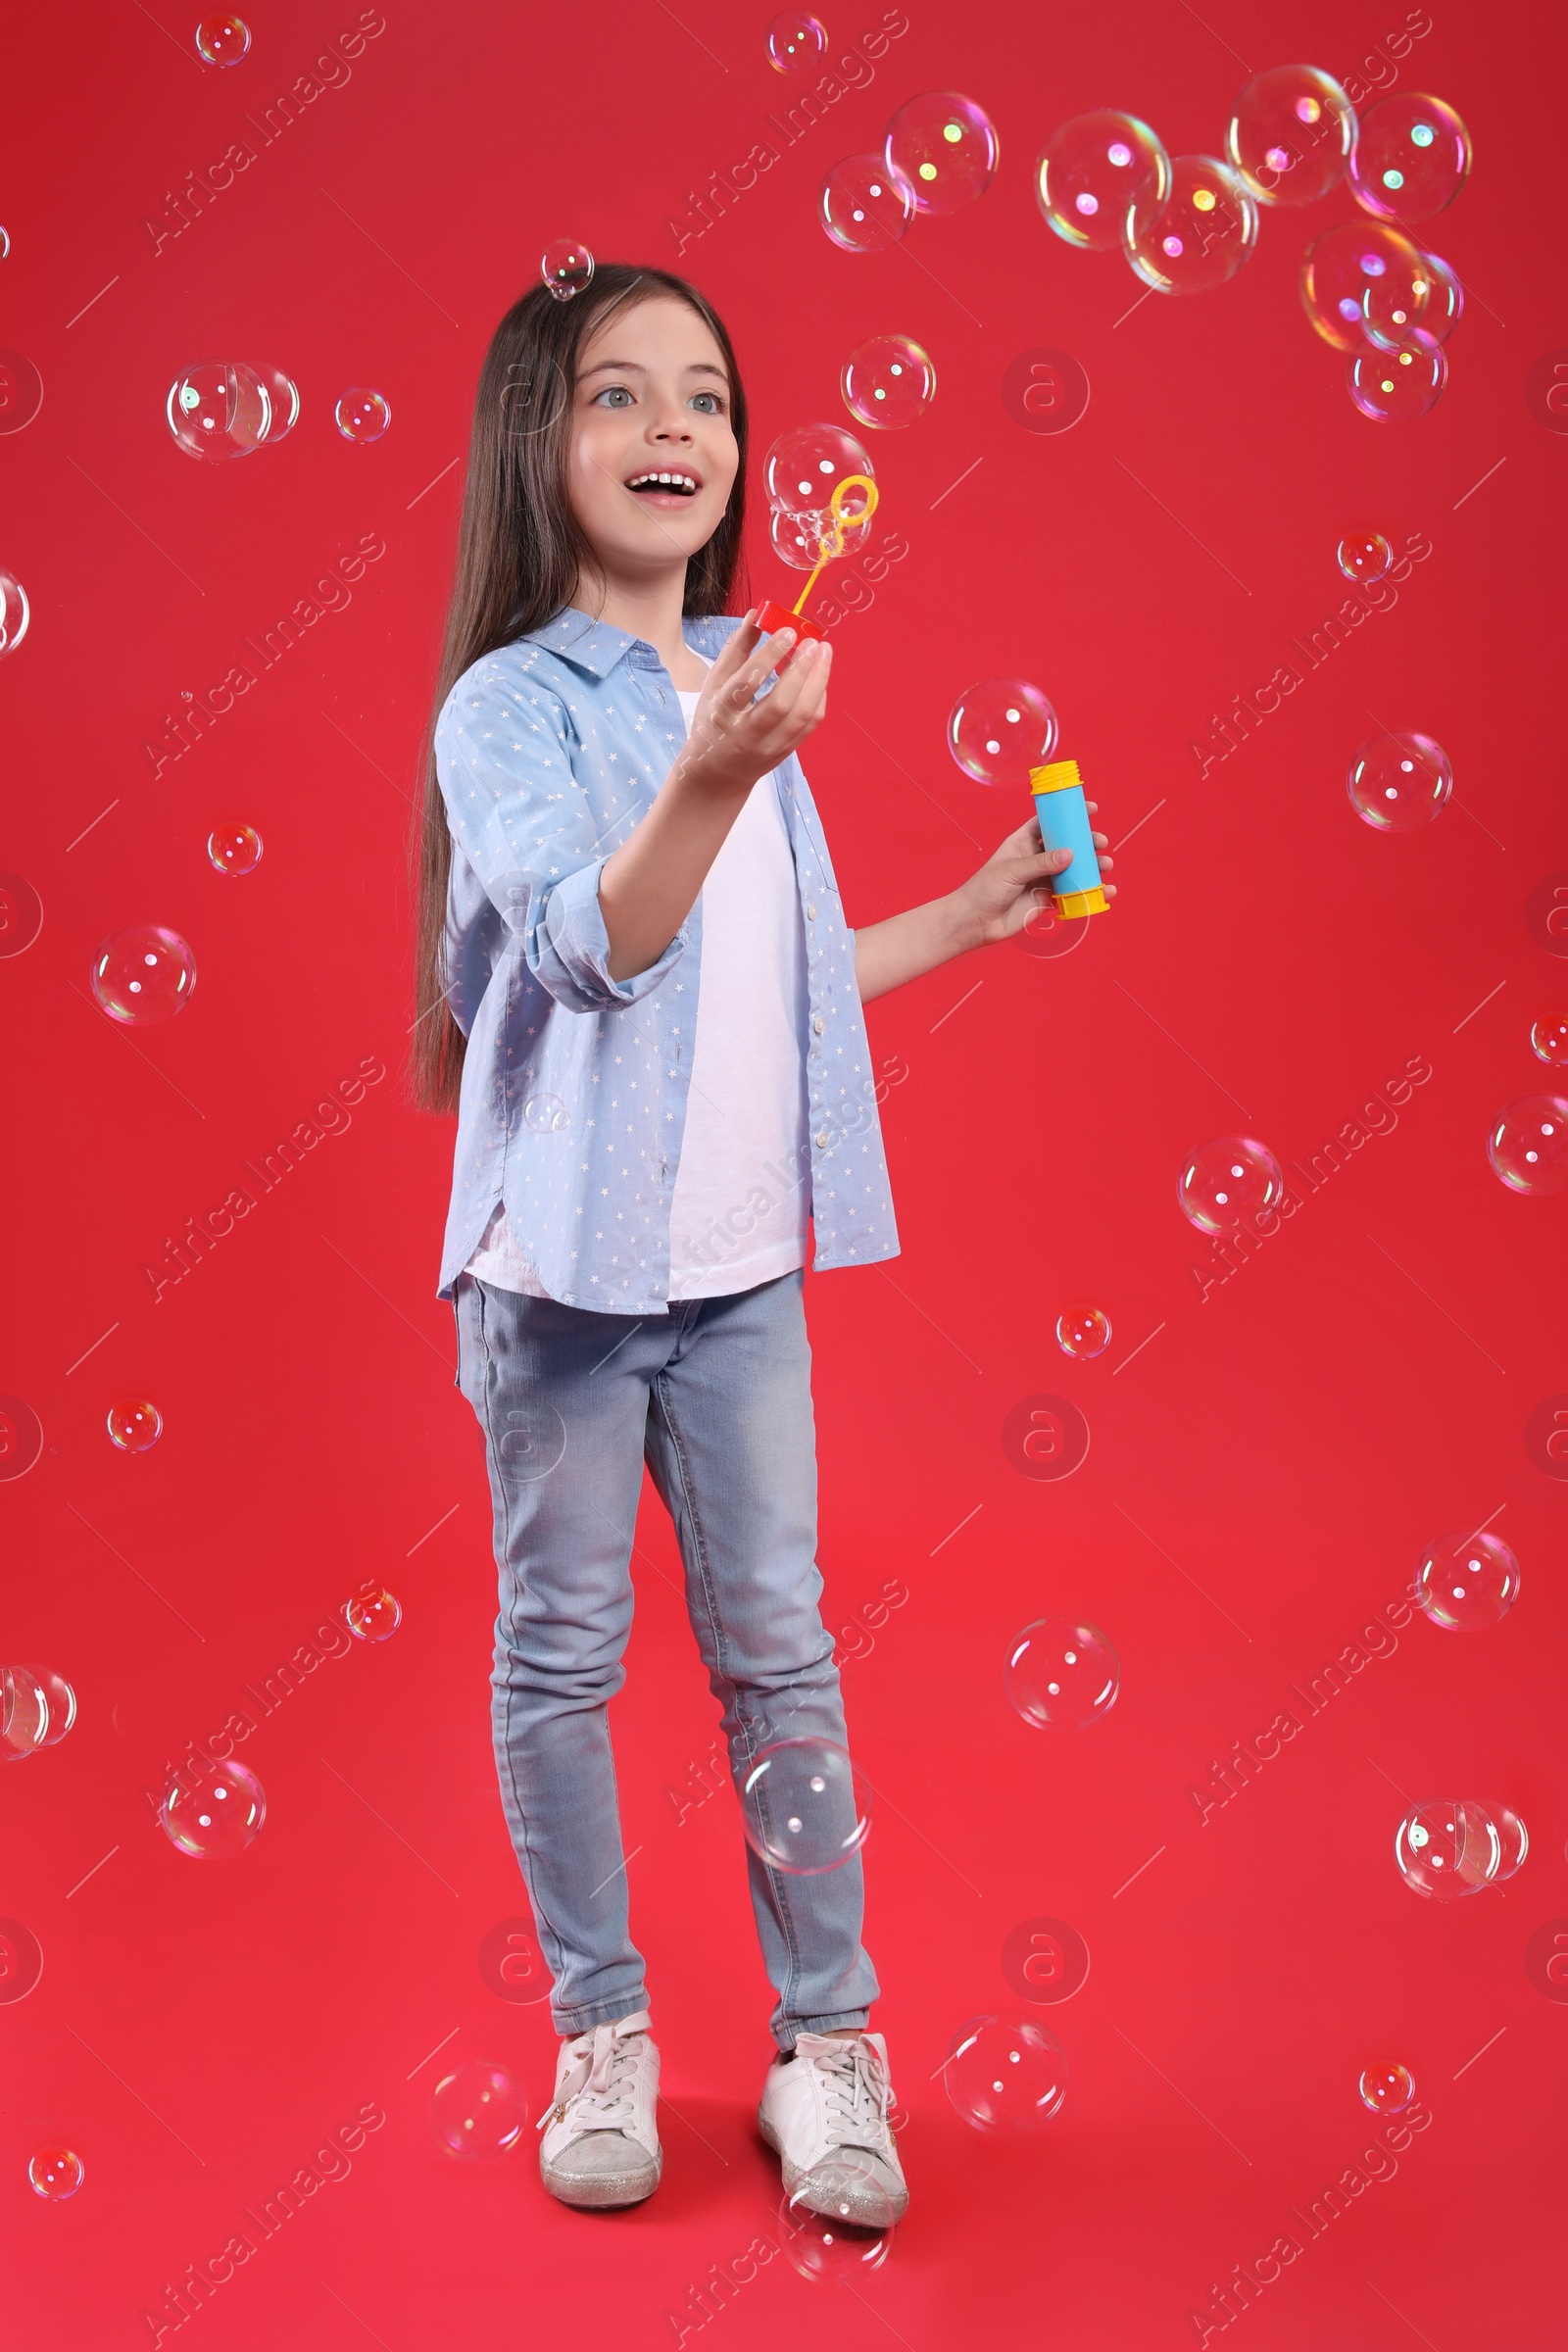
{"points": [[742, 1203]]}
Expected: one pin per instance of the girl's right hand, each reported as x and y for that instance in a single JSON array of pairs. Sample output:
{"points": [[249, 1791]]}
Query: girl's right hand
{"points": [[735, 737]]}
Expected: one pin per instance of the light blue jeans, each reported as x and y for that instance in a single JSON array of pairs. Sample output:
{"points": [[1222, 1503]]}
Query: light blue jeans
{"points": [[716, 1398]]}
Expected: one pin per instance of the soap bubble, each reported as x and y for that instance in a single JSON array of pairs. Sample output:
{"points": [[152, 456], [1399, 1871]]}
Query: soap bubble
{"points": [[1007, 2075], [1398, 782], [1394, 386], [134, 1424], [1394, 304], [362, 415], [228, 407], [796, 539], [1097, 172], [1465, 1583], [808, 464], [222, 41], [1202, 232], [1290, 134], [479, 2111], [866, 207], [945, 147], [1548, 1037], [1528, 1144], [144, 974], [1445, 298], [1513, 1839], [1412, 157], [1364, 556], [566, 268], [373, 1615], [1337, 271], [5, 244], [1231, 1181], [888, 382], [56, 2174], [836, 2224], [212, 1810], [1000, 730], [234, 848], [805, 1807], [796, 43], [546, 1114], [1447, 1847], [15, 613], [1083, 1331], [1387, 2087], [1061, 1676], [37, 1709]]}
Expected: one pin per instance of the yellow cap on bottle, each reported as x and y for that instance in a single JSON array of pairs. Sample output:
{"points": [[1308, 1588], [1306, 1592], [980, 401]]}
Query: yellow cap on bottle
{"points": [[1054, 778], [1081, 901]]}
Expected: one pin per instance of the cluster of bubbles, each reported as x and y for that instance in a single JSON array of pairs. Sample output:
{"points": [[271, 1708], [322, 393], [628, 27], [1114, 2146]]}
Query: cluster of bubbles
{"points": [[220, 409], [939, 153], [566, 268], [222, 41], [37, 1709], [1187, 223], [1451, 1846], [821, 494], [1061, 1675]]}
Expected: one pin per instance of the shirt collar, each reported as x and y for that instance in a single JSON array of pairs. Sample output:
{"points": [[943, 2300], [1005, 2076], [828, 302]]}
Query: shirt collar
{"points": [[597, 646]]}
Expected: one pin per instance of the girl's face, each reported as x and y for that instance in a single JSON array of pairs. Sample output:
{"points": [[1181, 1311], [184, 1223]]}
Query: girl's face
{"points": [[653, 399]]}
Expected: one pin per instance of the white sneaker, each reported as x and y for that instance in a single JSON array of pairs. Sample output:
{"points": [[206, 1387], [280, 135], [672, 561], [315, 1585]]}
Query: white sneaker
{"points": [[600, 2137], [832, 2099]]}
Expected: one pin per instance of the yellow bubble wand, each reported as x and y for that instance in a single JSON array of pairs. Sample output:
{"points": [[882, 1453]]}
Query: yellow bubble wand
{"points": [[840, 526]]}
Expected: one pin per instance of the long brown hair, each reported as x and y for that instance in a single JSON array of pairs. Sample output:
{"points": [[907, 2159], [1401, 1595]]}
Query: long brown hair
{"points": [[520, 553]]}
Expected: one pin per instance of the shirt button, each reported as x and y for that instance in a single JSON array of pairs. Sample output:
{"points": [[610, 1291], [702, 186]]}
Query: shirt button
{"points": [[811, 912], [821, 1138], [817, 1024]]}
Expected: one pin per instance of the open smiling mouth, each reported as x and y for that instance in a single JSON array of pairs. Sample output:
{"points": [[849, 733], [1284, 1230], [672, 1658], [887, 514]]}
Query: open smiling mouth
{"points": [[671, 486]]}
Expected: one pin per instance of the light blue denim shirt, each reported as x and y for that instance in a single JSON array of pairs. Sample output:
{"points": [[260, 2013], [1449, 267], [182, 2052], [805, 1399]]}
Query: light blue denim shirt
{"points": [[547, 753]]}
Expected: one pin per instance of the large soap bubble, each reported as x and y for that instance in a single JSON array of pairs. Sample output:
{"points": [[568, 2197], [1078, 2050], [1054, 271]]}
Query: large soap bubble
{"points": [[945, 147], [804, 1806], [1527, 1143], [866, 205], [1006, 2075], [1467, 1583], [1230, 1181], [1061, 1675], [1000, 730], [1411, 159], [1338, 270], [1290, 135], [1201, 235], [1447, 1847], [144, 974], [1398, 782], [1096, 174], [1393, 387]]}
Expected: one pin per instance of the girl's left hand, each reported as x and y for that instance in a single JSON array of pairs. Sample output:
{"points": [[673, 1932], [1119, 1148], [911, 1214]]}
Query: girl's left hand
{"points": [[1013, 883]]}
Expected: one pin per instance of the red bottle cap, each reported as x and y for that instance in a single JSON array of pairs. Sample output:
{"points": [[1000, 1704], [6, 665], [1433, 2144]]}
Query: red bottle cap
{"points": [[771, 617]]}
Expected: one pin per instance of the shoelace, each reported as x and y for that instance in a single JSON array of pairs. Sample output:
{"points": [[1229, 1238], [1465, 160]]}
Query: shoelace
{"points": [[854, 2080], [597, 2094]]}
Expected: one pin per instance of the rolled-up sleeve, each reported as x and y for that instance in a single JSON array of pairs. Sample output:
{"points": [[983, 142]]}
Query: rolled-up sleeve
{"points": [[527, 828]]}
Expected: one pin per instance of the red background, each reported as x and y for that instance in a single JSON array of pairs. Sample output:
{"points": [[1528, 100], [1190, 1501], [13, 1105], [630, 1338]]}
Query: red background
{"points": [[1288, 1444]]}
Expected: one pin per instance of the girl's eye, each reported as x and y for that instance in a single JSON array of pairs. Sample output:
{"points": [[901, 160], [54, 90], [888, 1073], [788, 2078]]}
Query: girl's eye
{"points": [[616, 396], [706, 402]]}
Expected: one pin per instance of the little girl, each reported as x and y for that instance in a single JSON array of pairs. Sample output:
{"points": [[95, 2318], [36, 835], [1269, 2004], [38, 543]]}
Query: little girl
{"points": [[640, 995]]}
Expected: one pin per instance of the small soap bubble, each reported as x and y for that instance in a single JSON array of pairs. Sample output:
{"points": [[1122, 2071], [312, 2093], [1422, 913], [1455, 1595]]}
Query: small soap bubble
{"points": [[373, 1615], [362, 415], [134, 1424], [836, 2224], [1006, 2075], [1513, 1839], [798, 539], [1201, 235], [1548, 1037], [212, 1810], [1399, 782], [1290, 135], [566, 268], [1411, 159], [1364, 556], [546, 1114], [795, 44], [1000, 730], [1097, 174], [945, 147], [1447, 1847], [809, 463], [1083, 1331], [1061, 1676], [234, 848], [24, 1713], [1527, 1144], [1338, 270], [222, 409], [143, 975], [56, 2174], [1394, 386], [888, 382], [804, 1806], [1387, 2087], [15, 613], [1467, 1583], [480, 2112], [864, 206], [1230, 1181], [222, 41]]}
